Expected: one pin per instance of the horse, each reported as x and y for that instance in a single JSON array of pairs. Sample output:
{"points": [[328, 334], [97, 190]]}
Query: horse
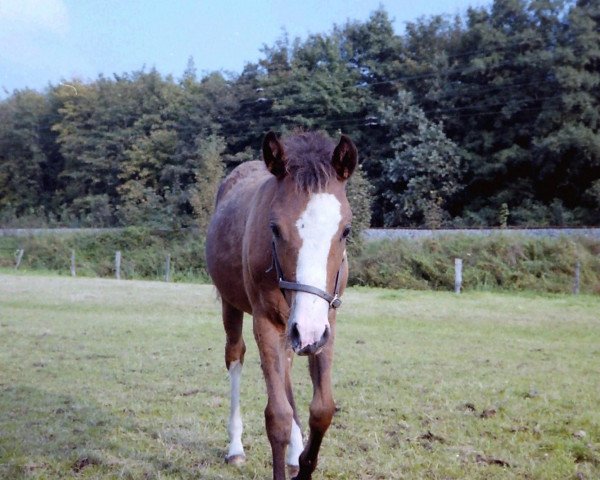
{"points": [[276, 250]]}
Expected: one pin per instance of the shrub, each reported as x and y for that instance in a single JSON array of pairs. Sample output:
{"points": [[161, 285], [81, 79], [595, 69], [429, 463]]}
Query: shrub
{"points": [[143, 253], [504, 262], [498, 262]]}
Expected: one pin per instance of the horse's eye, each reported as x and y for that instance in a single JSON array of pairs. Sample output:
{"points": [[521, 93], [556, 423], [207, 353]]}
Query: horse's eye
{"points": [[275, 230], [346, 231]]}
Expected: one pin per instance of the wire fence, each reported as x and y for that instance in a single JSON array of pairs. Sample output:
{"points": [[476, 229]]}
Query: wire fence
{"points": [[370, 234], [567, 259]]}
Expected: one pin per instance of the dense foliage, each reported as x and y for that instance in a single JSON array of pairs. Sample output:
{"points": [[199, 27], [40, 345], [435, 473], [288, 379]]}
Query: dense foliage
{"points": [[487, 119]]}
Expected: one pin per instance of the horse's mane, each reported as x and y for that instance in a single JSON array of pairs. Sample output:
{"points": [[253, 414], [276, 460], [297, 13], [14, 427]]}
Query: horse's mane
{"points": [[308, 157]]}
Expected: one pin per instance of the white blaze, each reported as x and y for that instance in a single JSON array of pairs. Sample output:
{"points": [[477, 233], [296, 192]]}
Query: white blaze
{"points": [[316, 226]]}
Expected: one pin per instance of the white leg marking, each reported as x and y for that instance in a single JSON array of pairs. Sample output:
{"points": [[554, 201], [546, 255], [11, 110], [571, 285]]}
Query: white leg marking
{"points": [[235, 415], [316, 226], [295, 447]]}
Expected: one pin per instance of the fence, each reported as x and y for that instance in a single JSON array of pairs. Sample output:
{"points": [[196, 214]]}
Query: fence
{"points": [[370, 234], [458, 269], [375, 234], [19, 254]]}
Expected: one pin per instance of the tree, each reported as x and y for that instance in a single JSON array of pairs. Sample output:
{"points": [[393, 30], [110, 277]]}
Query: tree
{"points": [[92, 133], [142, 194], [425, 173], [207, 176], [567, 143], [513, 86], [22, 156], [360, 196], [375, 56]]}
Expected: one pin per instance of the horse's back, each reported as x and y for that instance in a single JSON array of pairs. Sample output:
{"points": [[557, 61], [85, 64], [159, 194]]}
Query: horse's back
{"points": [[242, 180], [226, 231]]}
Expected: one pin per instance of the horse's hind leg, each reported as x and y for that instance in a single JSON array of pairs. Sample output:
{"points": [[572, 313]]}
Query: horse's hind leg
{"points": [[235, 349]]}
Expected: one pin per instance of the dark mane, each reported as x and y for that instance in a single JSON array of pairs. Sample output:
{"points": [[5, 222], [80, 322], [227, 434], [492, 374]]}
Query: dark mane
{"points": [[308, 158]]}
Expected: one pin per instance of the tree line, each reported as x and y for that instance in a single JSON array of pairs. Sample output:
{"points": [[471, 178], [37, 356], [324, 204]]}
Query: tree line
{"points": [[489, 118]]}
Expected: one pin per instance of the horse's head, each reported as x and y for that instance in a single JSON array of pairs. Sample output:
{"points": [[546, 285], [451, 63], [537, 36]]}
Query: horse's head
{"points": [[309, 221]]}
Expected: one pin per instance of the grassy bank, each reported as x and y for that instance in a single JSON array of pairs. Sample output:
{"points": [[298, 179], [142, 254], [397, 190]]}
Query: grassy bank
{"points": [[489, 263], [143, 254], [106, 379]]}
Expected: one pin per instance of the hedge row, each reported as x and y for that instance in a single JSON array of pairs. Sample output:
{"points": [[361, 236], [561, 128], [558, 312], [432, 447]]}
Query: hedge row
{"points": [[490, 263]]}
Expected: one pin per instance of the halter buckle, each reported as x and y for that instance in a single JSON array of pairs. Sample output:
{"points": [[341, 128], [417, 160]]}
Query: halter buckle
{"points": [[336, 302]]}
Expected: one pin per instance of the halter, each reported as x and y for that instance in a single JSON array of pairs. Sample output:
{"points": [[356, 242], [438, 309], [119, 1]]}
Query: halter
{"points": [[334, 300]]}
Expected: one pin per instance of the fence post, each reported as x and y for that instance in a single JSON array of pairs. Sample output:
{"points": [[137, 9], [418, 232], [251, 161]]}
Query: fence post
{"points": [[457, 275], [118, 264], [73, 272], [168, 268], [576, 279], [19, 256]]}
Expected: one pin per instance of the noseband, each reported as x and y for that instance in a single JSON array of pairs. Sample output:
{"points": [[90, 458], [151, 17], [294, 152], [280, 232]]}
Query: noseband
{"points": [[334, 300]]}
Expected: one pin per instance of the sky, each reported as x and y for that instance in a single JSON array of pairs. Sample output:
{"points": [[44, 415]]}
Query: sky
{"points": [[53, 41]]}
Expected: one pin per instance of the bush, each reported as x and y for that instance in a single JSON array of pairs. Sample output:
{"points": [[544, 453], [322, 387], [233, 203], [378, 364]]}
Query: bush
{"points": [[143, 253], [498, 262], [504, 262]]}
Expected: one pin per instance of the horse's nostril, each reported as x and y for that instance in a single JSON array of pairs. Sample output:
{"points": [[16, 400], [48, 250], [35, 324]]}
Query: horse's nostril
{"points": [[294, 336], [318, 345], [325, 336]]}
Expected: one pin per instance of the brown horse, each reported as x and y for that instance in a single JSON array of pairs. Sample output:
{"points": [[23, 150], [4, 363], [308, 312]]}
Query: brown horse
{"points": [[275, 249]]}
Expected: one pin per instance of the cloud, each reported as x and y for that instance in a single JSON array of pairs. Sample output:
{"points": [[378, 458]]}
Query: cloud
{"points": [[50, 16]]}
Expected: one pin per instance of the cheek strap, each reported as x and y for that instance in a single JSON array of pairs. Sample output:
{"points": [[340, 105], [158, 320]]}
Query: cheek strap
{"points": [[334, 300]]}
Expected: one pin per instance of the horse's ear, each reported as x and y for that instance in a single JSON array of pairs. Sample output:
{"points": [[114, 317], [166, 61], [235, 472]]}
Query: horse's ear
{"points": [[274, 155], [345, 157]]}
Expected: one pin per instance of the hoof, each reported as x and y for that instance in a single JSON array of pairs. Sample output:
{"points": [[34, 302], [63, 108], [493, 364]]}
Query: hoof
{"points": [[293, 471], [236, 460]]}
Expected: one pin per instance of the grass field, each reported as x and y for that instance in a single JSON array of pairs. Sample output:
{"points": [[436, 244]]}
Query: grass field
{"points": [[125, 379]]}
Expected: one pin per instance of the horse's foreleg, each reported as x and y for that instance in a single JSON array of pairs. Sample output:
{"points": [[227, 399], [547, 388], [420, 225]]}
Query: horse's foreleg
{"points": [[234, 359], [322, 408], [278, 413], [295, 446]]}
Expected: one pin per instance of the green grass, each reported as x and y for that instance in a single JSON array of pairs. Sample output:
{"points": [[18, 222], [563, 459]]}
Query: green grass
{"points": [[112, 379]]}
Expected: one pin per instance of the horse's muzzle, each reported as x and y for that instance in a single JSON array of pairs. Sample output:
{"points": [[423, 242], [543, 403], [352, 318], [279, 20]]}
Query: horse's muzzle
{"points": [[311, 349]]}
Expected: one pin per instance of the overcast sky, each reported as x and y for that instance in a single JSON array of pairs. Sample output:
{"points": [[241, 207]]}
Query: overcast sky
{"points": [[46, 41]]}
